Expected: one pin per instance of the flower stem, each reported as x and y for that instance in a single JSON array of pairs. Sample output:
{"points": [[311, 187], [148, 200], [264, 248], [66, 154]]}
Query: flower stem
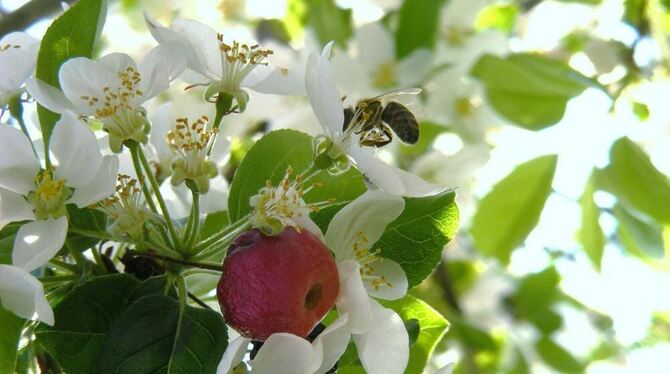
{"points": [[140, 176], [154, 185], [200, 265], [91, 233], [194, 220], [225, 234]]}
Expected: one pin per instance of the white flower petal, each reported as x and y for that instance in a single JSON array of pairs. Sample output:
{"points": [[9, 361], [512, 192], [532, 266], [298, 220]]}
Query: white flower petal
{"points": [[287, 353], [220, 151], [352, 77], [177, 199], [375, 46], [101, 186], [13, 207], [322, 93], [384, 348], [82, 79], [414, 68], [48, 96], [161, 66], [17, 63], [394, 275], [76, 149], [334, 340], [233, 355], [115, 62], [38, 241], [216, 199], [353, 300], [306, 223], [18, 164], [390, 178], [204, 44], [23, 295], [281, 81], [16, 66], [163, 34], [446, 369], [368, 214], [22, 39]]}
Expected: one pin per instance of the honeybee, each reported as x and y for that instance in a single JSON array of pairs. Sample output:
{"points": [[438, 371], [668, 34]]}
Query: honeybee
{"points": [[375, 120]]}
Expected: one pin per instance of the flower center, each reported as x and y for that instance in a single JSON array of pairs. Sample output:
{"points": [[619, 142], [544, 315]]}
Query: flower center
{"points": [[275, 208], [456, 36], [8, 46], [121, 118], [385, 75], [465, 107], [192, 142], [237, 61], [49, 196], [366, 258], [126, 209]]}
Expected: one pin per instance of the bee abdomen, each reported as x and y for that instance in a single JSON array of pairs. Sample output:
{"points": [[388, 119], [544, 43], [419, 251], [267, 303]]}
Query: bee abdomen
{"points": [[402, 122]]}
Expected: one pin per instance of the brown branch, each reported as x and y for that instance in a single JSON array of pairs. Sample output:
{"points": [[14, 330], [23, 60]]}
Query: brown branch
{"points": [[30, 13], [174, 260]]}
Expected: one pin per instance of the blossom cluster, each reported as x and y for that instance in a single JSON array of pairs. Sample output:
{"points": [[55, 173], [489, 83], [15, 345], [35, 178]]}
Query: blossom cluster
{"points": [[96, 158]]}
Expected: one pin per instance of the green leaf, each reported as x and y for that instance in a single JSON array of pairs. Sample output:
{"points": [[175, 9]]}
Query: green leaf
{"points": [[153, 336], [512, 209], [497, 16], [418, 23], [269, 158], [431, 328], [590, 234], [85, 219], [634, 180], [472, 336], [416, 238], [640, 236], [557, 357], [11, 327], [7, 236], [329, 22], [529, 90], [82, 320], [73, 34], [534, 297]]}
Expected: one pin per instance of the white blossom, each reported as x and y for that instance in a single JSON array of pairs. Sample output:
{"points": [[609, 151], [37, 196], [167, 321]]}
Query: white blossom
{"points": [[82, 177], [113, 89], [342, 146], [18, 55], [224, 65]]}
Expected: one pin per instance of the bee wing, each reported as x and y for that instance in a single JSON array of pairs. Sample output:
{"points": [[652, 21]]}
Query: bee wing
{"points": [[398, 95], [421, 113]]}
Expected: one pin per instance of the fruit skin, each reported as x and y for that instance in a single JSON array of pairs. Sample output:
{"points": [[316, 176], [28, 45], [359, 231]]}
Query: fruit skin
{"points": [[266, 283]]}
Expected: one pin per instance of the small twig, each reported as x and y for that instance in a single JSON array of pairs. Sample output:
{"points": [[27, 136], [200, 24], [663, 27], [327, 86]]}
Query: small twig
{"points": [[198, 301], [174, 260], [28, 14]]}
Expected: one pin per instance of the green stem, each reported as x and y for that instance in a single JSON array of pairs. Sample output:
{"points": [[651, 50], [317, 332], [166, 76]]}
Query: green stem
{"points": [[63, 265], [214, 248], [91, 233], [194, 220], [138, 170], [154, 185], [59, 278], [183, 295], [222, 235]]}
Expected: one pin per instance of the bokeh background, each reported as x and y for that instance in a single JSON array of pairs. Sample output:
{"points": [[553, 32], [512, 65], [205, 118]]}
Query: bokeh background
{"points": [[552, 120]]}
